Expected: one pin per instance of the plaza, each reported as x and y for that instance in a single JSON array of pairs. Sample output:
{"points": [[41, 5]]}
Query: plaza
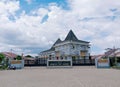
{"points": [[78, 76]]}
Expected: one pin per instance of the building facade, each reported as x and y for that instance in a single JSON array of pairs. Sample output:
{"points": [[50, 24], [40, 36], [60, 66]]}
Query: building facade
{"points": [[70, 48]]}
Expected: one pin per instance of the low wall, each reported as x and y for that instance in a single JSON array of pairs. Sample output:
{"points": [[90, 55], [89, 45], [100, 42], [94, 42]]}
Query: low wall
{"points": [[59, 63], [102, 63], [18, 64]]}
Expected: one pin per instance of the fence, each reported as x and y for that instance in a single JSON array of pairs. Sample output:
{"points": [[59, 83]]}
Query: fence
{"points": [[83, 62], [75, 62]]}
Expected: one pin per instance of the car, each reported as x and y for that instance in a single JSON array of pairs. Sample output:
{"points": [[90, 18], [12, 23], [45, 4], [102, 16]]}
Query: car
{"points": [[12, 67]]}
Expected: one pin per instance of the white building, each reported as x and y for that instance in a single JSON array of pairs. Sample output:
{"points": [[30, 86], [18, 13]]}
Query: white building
{"points": [[71, 47]]}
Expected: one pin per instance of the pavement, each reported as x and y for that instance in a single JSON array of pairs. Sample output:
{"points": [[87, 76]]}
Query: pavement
{"points": [[78, 76]]}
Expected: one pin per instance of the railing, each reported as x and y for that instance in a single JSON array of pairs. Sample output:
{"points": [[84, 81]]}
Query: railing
{"points": [[83, 62]]}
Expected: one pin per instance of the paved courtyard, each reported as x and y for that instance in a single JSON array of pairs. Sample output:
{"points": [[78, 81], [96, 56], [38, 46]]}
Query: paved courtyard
{"points": [[81, 76]]}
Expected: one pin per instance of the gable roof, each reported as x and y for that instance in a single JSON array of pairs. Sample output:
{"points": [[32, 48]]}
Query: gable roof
{"points": [[58, 41], [117, 54], [110, 52], [71, 36], [53, 48], [97, 56], [9, 54]]}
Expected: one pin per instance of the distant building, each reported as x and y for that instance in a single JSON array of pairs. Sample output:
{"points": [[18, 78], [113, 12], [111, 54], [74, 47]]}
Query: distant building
{"points": [[112, 53], [71, 47], [9, 55], [29, 61], [11, 60]]}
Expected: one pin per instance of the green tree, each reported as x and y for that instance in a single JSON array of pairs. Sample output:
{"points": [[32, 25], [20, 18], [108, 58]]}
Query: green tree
{"points": [[19, 57], [2, 57], [28, 56]]}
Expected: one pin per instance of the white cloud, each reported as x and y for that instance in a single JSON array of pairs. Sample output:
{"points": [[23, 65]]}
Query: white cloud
{"points": [[8, 7], [89, 19], [93, 7]]}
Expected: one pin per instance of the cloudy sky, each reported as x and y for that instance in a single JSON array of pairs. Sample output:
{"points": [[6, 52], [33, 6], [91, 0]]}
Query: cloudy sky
{"points": [[31, 26]]}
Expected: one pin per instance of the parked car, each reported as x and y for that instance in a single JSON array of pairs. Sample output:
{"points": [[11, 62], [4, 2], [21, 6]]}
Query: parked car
{"points": [[12, 67]]}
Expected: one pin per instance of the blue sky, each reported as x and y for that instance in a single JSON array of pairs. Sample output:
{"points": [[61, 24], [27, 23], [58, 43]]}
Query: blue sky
{"points": [[31, 26], [29, 5]]}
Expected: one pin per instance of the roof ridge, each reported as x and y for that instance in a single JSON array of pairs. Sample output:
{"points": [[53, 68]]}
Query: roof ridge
{"points": [[57, 41]]}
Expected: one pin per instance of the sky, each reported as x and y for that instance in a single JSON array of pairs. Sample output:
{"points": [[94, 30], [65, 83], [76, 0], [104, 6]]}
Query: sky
{"points": [[32, 26]]}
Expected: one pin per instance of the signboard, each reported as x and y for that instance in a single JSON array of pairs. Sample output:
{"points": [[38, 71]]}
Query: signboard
{"points": [[102, 63], [59, 63], [17, 64]]}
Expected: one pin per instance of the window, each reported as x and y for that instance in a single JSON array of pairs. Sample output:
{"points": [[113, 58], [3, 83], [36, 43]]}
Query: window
{"points": [[82, 53]]}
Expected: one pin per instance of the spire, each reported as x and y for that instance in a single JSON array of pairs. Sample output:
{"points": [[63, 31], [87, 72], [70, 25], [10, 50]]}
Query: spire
{"points": [[71, 36]]}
